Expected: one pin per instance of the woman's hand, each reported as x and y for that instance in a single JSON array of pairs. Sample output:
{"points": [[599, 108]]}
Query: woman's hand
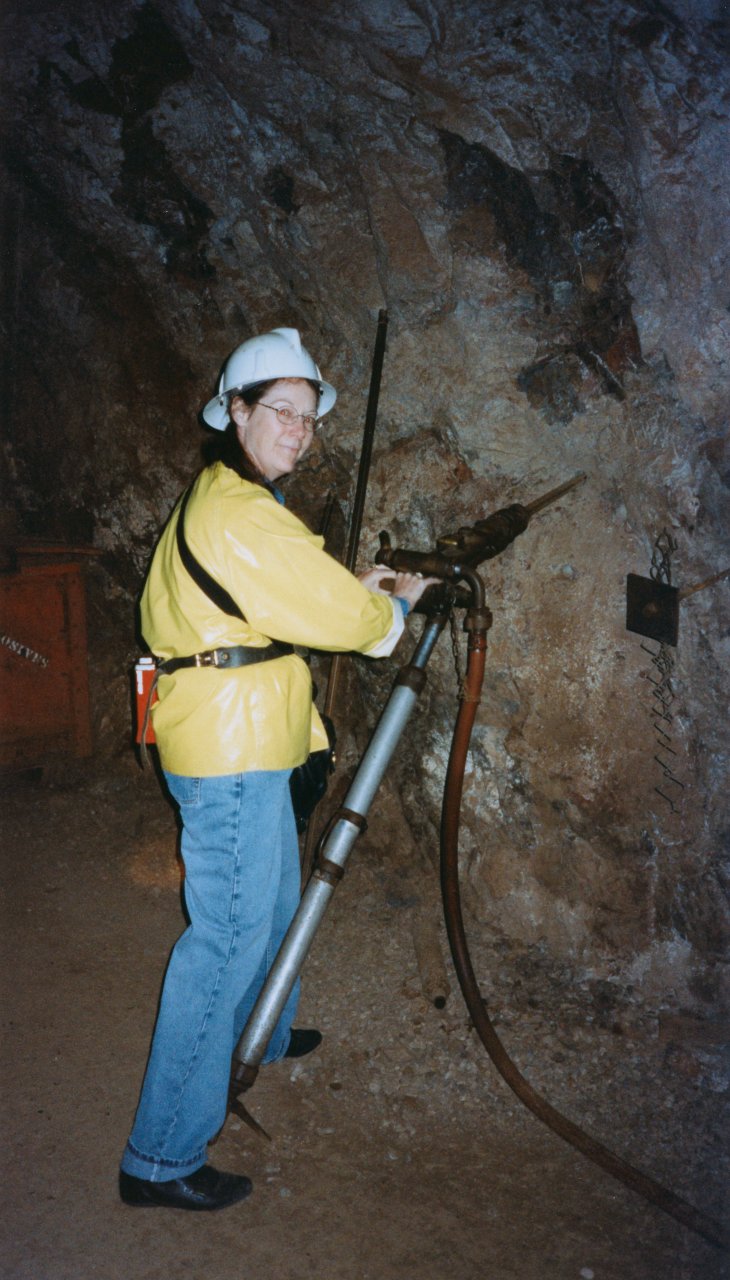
{"points": [[409, 586]]}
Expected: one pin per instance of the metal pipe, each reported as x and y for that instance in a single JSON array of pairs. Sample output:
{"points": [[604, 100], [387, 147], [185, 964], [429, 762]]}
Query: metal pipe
{"points": [[429, 958], [347, 825]]}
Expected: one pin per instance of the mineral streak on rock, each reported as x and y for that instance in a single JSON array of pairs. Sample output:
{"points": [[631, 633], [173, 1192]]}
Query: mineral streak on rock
{"points": [[540, 195]]}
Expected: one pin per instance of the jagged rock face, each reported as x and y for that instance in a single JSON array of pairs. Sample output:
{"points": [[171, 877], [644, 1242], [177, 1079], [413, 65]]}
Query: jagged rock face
{"points": [[538, 193]]}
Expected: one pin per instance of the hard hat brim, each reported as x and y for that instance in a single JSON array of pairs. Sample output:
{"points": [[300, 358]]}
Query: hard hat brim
{"points": [[215, 413]]}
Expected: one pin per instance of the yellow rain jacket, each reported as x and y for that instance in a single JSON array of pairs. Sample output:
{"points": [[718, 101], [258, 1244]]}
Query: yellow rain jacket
{"points": [[210, 721]]}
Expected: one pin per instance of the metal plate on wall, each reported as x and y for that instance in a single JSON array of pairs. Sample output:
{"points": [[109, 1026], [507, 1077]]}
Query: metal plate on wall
{"points": [[652, 609]]}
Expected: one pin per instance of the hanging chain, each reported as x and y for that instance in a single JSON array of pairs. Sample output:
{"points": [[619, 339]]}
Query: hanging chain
{"points": [[456, 650], [661, 558], [662, 694]]}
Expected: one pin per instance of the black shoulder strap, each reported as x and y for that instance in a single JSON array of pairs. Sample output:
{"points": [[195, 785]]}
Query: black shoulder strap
{"points": [[212, 589]]}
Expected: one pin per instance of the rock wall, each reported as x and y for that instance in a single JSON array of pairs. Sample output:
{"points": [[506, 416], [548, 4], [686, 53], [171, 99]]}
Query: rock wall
{"points": [[538, 193]]}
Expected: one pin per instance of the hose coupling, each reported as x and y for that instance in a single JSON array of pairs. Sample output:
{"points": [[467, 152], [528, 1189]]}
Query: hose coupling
{"points": [[412, 677], [478, 619]]}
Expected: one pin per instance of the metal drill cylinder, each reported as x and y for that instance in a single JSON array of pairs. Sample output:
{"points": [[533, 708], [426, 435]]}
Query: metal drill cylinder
{"points": [[338, 845]]}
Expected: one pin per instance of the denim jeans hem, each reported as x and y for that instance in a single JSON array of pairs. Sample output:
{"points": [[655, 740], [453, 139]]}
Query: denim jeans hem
{"points": [[155, 1169]]}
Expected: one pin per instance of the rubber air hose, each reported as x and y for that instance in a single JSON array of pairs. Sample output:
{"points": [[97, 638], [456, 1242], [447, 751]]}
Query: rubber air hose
{"points": [[632, 1178]]}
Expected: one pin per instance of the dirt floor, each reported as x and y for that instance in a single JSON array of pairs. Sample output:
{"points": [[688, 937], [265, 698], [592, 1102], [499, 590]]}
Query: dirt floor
{"points": [[397, 1151]]}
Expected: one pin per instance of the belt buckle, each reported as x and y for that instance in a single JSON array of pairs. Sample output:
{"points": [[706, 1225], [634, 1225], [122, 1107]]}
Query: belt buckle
{"points": [[218, 658]]}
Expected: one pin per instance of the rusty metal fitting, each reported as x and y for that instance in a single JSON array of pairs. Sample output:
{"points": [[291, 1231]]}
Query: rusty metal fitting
{"points": [[478, 619], [351, 815], [243, 1077], [330, 872], [412, 677]]}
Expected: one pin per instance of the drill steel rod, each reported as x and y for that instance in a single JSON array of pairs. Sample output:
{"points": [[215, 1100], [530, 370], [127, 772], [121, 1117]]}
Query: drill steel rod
{"points": [[708, 582], [554, 494], [363, 476], [371, 414]]}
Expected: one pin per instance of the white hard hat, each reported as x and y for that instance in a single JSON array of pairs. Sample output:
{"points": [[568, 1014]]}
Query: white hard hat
{"points": [[278, 354]]}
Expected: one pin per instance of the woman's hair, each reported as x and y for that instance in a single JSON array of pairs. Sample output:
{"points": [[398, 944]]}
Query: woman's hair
{"points": [[225, 446]]}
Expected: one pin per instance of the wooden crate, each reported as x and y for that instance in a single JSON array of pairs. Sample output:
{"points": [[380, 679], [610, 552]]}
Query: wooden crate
{"points": [[44, 684]]}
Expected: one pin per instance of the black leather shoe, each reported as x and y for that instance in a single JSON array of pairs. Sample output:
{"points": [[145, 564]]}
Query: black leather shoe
{"points": [[302, 1043], [206, 1188]]}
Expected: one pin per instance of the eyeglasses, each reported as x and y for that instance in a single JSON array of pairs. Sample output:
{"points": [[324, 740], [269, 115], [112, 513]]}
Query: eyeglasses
{"points": [[288, 416]]}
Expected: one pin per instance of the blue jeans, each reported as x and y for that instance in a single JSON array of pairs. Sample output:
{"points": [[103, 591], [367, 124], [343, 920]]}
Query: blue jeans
{"points": [[242, 879]]}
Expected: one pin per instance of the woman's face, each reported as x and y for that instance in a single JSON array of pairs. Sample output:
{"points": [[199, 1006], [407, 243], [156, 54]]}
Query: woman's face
{"points": [[276, 447]]}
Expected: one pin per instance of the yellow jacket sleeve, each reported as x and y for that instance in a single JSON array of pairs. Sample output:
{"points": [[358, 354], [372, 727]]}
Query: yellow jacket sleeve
{"points": [[285, 584]]}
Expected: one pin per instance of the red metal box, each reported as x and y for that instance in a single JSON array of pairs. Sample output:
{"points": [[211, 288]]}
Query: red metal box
{"points": [[44, 685]]}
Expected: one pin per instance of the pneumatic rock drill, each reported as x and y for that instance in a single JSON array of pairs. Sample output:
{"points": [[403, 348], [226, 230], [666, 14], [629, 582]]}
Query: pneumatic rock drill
{"points": [[453, 561]]}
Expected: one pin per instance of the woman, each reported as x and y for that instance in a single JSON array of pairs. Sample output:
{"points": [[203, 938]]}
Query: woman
{"points": [[229, 735]]}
